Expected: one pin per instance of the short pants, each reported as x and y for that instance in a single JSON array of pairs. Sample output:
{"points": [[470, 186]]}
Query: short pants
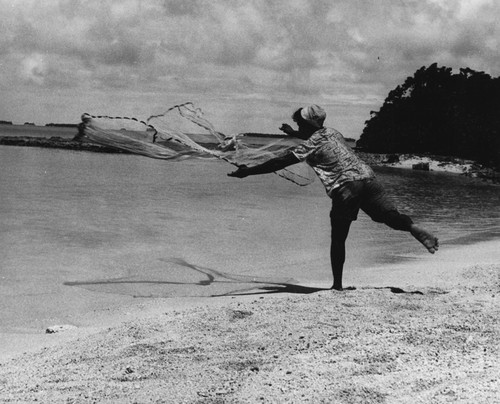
{"points": [[369, 196]]}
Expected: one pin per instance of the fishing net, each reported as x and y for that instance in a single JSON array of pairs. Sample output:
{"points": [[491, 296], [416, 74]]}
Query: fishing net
{"points": [[182, 132]]}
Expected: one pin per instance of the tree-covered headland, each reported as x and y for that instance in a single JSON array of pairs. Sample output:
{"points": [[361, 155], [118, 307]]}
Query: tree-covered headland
{"points": [[442, 113]]}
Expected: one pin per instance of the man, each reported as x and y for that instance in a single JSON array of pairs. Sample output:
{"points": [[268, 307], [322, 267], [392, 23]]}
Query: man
{"points": [[348, 180]]}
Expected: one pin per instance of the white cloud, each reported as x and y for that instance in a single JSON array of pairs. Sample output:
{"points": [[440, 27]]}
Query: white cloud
{"points": [[471, 9], [34, 69]]}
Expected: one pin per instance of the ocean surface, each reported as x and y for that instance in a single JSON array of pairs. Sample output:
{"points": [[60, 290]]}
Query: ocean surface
{"points": [[79, 231]]}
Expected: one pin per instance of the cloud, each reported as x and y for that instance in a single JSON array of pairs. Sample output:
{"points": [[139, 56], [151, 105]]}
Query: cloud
{"points": [[183, 8], [473, 9], [286, 38], [34, 69], [350, 51]]}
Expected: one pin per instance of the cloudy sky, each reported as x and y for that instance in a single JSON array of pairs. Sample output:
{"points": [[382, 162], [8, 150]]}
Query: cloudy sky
{"points": [[248, 64]]}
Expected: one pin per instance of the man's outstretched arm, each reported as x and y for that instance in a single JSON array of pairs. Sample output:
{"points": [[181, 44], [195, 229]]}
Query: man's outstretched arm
{"points": [[267, 167]]}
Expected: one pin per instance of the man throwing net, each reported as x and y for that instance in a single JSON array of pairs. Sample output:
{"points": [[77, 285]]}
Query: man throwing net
{"points": [[348, 180]]}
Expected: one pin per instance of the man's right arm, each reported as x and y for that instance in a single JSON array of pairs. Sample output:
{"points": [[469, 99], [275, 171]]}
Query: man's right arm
{"points": [[267, 167]]}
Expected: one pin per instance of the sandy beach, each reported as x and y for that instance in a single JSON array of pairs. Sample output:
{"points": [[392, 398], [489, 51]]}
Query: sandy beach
{"points": [[424, 331], [177, 179]]}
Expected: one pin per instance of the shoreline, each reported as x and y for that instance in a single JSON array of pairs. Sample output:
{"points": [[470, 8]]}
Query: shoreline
{"points": [[446, 164], [424, 330], [56, 142]]}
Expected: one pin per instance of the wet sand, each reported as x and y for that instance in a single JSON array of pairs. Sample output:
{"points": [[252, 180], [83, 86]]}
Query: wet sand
{"points": [[427, 330]]}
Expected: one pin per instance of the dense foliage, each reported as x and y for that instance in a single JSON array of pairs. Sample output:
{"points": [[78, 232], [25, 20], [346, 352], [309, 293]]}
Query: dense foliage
{"points": [[438, 112]]}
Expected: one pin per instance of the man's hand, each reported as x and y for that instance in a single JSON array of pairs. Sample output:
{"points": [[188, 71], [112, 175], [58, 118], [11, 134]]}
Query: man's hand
{"points": [[241, 172], [287, 129]]}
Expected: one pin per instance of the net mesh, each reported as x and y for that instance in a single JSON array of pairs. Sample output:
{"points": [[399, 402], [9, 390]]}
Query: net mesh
{"points": [[183, 132]]}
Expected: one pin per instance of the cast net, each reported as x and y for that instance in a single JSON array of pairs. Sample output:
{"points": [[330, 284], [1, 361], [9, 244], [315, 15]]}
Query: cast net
{"points": [[182, 132]]}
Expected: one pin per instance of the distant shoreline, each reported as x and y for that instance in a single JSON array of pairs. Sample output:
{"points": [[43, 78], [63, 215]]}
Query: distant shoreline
{"points": [[406, 161], [56, 142], [57, 125]]}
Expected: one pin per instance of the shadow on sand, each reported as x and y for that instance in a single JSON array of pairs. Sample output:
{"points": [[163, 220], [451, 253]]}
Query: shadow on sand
{"points": [[249, 285]]}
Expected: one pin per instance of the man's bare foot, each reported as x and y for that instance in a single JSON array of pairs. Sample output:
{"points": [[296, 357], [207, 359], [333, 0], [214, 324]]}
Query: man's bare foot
{"points": [[341, 289], [427, 239]]}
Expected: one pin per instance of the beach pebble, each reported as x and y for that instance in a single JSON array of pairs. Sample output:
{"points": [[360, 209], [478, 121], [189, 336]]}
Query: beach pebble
{"points": [[59, 328]]}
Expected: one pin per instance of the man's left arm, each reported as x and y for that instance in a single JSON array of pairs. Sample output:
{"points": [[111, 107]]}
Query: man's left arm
{"points": [[267, 167]]}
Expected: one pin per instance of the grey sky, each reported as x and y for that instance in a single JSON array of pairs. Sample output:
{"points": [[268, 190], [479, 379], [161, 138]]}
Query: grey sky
{"points": [[247, 64]]}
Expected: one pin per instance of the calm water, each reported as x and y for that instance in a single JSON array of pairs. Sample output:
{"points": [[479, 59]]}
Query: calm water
{"points": [[79, 230]]}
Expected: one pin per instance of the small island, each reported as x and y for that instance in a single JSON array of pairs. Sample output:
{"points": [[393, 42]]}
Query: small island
{"points": [[436, 112]]}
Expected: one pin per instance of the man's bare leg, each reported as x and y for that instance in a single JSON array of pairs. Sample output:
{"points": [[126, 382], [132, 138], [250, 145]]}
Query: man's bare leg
{"points": [[427, 239], [340, 230]]}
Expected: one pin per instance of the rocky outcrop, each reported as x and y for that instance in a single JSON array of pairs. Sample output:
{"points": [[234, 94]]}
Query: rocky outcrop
{"points": [[423, 166], [59, 328], [448, 164]]}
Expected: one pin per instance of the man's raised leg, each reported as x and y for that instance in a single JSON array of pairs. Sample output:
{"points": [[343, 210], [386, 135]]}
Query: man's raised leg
{"points": [[381, 209]]}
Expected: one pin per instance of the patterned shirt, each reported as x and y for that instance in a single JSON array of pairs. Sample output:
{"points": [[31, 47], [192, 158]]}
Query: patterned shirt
{"points": [[332, 159]]}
